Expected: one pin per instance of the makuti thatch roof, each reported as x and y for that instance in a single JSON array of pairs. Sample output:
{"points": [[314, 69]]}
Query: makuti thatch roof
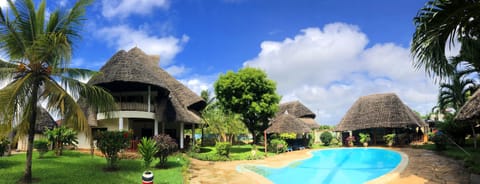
{"points": [[379, 111], [300, 111], [471, 110], [136, 66], [287, 123], [44, 121]]}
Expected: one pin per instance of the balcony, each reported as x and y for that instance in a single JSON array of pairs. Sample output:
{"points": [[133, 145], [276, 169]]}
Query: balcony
{"points": [[135, 106]]}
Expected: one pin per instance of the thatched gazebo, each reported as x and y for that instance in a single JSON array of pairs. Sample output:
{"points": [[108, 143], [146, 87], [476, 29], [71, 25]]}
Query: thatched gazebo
{"points": [[286, 123], [379, 114], [44, 121], [470, 113], [299, 111]]}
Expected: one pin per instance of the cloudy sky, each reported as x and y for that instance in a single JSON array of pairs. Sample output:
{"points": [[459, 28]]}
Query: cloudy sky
{"points": [[324, 53]]}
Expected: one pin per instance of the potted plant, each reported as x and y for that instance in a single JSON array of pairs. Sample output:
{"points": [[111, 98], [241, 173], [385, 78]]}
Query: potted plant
{"points": [[350, 140], [364, 138], [389, 139]]}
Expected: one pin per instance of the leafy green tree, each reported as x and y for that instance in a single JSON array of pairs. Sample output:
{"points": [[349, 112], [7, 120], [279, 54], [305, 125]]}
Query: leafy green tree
{"points": [[61, 136], [326, 137], [206, 95], [439, 24], [250, 93], [39, 53], [226, 124]]}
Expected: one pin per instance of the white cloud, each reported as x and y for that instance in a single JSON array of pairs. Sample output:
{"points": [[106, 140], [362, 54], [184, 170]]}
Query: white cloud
{"points": [[196, 85], [124, 37], [328, 69], [177, 70], [124, 8], [4, 3]]}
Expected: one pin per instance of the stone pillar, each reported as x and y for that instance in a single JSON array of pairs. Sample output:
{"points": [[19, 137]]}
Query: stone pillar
{"points": [[193, 134], [181, 135], [120, 123], [149, 98], [155, 127]]}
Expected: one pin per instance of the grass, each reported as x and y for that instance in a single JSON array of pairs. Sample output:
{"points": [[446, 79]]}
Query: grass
{"points": [[237, 152], [74, 167], [472, 162]]}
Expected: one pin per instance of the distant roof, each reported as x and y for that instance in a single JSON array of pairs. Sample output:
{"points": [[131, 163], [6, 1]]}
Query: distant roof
{"points": [[379, 111], [471, 110], [296, 109], [44, 121], [287, 123]]}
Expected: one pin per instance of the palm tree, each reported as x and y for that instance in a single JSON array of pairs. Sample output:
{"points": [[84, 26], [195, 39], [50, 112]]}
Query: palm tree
{"points": [[455, 93], [206, 95], [438, 24], [39, 53]]}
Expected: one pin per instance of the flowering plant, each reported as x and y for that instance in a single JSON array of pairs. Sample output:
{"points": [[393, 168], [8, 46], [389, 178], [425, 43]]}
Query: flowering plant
{"points": [[350, 140]]}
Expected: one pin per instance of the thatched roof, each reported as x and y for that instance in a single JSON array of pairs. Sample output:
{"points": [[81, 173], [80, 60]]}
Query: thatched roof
{"points": [[136, 66], [44, 121], [379, 111], [300, 111], [471, 110], [287, 123], [296, 109]]}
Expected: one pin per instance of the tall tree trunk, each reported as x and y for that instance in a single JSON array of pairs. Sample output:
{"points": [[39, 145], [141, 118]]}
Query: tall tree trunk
{"points": [[27, 176], [202, 142], [474, 136]]}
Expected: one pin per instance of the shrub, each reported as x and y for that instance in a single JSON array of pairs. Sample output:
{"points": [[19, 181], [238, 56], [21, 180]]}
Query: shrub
{"points": [[61, 136], [326, 138], [364, 137], [440, 140], [223, 148], [389, 139], [3, 145], [277, 146], [110, 143], [147, 148], [41, 146], [166, 146]]}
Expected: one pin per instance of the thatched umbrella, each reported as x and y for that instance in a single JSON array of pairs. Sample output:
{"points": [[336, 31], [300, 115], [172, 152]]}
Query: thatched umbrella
{"points": [[285, 123], [470, 113], [136, 67], [378, 111], [300, 111]]}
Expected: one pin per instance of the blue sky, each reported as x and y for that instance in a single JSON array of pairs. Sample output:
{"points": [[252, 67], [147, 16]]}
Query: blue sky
{"points": [[325, 53]]}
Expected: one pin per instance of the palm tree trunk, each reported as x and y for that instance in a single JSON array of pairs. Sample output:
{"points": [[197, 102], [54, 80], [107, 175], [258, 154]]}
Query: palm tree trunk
{"points": [[27, 176], [202, 142], [474, 136]]}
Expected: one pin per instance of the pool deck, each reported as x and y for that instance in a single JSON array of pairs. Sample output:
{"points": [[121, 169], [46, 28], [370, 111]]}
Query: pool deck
{"points": [[424, 166]]}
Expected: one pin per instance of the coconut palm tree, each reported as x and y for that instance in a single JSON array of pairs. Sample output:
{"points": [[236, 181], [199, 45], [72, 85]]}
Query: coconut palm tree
{"points": [[439, 24], [37, 69], [454, 93]]}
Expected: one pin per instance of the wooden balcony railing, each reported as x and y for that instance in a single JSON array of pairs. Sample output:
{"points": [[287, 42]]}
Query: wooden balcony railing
{"points": [[134, 106]]}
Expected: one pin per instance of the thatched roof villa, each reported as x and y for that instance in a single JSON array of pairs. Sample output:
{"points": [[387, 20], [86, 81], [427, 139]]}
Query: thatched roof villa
{"points": [[150, 100], [300, 111], [380, 114]]}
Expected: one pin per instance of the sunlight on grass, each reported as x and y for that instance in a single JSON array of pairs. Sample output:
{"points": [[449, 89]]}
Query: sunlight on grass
{"points": [[81, 168]]}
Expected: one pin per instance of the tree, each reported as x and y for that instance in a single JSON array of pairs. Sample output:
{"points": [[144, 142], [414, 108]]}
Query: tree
{"points": [[39, 53], [226, 124], [61, 136], [454, 94], [250, 93], [439, 24], [206, 95]]}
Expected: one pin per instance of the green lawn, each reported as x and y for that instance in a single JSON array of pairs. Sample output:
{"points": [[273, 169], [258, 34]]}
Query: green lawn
{"points": [[74, 167], [472, 163]]}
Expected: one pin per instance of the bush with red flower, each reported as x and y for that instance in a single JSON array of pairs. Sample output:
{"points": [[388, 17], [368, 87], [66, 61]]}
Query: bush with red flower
{"points": [[110, 143]]}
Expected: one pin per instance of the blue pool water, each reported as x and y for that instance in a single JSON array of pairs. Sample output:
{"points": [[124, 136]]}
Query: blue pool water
{"points": [[351, 165]]}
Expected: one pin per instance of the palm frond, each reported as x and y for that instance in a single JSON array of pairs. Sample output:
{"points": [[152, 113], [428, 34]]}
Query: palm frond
{"points": [[14, 100], [74, 73]]}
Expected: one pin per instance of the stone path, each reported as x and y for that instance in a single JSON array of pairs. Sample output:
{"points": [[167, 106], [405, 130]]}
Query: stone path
{"points": [[424, 167]]}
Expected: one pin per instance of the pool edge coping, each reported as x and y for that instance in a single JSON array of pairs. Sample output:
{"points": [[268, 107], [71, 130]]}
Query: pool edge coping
{"points": [[386, 178]]}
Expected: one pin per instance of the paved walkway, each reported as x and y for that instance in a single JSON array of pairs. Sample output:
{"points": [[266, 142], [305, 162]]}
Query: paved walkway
{"points": [[424, 167]]}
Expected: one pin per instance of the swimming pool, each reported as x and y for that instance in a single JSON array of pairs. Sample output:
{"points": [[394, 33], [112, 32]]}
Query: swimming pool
{"points": [[344, 165]]}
